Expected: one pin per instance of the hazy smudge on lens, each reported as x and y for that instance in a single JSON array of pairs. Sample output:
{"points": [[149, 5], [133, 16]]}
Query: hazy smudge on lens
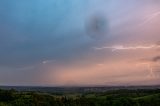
{"points": [[97, 26]]}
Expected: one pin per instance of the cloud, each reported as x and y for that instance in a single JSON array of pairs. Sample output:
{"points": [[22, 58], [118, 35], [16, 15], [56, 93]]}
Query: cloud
{"points": [[150, 18], [152, 59], [156, 59], [48, 61], [121, 47]]}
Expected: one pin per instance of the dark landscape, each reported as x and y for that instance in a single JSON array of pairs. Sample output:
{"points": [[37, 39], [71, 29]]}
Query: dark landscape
{"points": [[80, 96]]}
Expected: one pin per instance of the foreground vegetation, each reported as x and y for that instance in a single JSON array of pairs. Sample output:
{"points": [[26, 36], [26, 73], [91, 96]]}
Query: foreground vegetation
{"points": [[108, 98]]}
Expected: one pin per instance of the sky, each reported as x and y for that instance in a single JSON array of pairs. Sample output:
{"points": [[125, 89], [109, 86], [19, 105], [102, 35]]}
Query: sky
{"points": [[79, 42]]}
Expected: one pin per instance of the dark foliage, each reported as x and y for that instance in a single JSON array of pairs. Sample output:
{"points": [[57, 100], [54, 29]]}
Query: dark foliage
{"points": [[109, 98]]}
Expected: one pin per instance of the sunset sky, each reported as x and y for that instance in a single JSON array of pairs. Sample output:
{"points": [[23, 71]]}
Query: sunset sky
{"points": [[79, 42]]}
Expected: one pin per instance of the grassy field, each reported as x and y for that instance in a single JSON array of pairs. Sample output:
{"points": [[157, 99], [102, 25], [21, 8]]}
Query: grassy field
{"points": [[121, 97]]}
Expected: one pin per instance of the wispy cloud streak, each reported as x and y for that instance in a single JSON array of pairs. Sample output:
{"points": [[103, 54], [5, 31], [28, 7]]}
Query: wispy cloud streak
{"points": [[150, 18], [121, 47]]}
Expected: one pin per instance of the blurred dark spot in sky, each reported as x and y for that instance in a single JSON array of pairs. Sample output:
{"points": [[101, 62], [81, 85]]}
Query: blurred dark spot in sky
{"points": [[97, 26]]}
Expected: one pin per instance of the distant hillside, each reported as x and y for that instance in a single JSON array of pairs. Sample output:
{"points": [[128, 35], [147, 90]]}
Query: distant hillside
{"points": [[76, 89], [121, 97]]}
